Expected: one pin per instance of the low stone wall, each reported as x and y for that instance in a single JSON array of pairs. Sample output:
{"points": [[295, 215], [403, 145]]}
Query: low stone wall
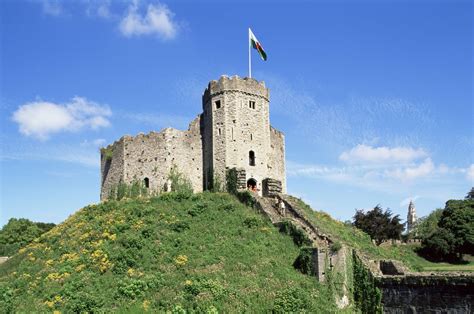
{"points": [[3, 259], [427, 294]]}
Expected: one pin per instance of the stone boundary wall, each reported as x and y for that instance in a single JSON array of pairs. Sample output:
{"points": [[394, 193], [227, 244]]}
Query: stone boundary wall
{"points": [[434, 293], [3, 259], [421, 292]]}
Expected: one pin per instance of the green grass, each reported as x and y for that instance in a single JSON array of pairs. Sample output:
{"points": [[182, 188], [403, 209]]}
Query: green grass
{"points": [[167, 253], [359, 240]]}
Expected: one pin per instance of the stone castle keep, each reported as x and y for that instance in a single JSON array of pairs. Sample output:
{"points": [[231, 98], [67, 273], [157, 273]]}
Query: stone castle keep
{"points": [[233, 131]]}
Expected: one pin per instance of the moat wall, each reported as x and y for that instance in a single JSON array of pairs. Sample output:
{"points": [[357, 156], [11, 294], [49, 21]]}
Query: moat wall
{"points": [[427, 294]]}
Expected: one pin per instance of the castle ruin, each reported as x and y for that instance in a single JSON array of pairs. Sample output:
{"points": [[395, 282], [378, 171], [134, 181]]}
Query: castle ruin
{"points": [[233, 131]]}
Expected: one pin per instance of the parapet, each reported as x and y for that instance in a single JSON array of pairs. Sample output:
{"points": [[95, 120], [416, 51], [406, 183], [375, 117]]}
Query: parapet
{"points": [[235, 83]]}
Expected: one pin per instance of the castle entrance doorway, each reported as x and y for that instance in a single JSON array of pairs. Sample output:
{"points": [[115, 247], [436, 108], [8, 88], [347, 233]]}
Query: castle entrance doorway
{"points": [[252, 184]]}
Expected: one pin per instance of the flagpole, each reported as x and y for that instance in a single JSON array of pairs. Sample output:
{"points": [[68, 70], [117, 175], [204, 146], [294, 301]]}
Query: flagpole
{"points": [[250, 57]]}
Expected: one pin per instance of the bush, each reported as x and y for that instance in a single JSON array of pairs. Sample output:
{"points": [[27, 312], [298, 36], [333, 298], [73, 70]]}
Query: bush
{"points": [[298, 235], [246, 198], [197, 209], [231, 181], [304, 261], [293, 300], [19, 232], [180, 184], [251, 222], [335, 247]]}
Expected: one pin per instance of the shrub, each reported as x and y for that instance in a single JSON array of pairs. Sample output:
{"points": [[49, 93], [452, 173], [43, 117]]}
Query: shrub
{"points": [[293, 300], [197, 209], [180, 184], [246, 198], [298, 235], [304, 261], [251, 222], [83, 302], [132, 288], [231, 181], [335, 247], [179, 226]]}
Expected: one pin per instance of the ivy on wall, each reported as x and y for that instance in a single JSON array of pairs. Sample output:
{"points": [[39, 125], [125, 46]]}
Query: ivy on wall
{"points": [[367, 297]]}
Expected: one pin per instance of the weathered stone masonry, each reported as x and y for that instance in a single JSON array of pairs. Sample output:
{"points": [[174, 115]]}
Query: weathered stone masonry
{"points": [[233, 131]]}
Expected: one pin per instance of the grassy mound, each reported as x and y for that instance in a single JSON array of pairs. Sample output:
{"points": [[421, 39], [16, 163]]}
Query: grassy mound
{"points": [[206, 252]]}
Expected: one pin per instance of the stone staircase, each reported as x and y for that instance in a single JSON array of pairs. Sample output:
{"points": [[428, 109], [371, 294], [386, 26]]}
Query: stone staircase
{"points": [[268, 207], [322, 254]]}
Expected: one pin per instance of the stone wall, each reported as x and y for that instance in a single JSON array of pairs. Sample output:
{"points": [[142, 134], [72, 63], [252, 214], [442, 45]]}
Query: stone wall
{"points": [[427, 294], [153, 155], [112, 169], [277, 157]]}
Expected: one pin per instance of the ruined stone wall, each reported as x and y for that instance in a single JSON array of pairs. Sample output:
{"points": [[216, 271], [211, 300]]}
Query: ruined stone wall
{"points": [[111, 169], [153, 155], [276, 158]]}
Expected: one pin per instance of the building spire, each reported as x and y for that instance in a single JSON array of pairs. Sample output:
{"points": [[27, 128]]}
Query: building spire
{"points": [[411, 217]]}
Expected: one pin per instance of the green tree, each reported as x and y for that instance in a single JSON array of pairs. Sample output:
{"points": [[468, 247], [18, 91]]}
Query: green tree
{"points": [[379, 224], [426, 226], [19, 232], [470, 194], [455, 233]]}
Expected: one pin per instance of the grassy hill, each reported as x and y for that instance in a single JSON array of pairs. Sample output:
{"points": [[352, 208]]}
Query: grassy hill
{"points": [[359, 240], [205, 252]]}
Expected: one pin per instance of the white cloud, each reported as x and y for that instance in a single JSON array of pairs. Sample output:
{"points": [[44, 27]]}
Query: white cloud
{"points": [[52, 7], [95, 143], [410, 173], [40, 119], [368, 154], [103, 10], [470, 172], [158, 20]]}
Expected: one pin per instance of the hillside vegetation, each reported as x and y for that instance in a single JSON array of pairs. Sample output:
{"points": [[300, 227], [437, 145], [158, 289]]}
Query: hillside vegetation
{"points": [[206, 252], [357, 239]]}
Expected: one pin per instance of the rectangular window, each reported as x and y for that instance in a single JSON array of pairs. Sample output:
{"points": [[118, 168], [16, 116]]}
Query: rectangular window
{"points": [[218, 104], [252, 104]]}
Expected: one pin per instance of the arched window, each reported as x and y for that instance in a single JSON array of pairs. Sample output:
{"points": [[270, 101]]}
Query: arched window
{"points": [[251, 158], [146, 181]]}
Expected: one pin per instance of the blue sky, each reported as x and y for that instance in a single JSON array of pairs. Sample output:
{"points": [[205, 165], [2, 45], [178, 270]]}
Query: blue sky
{"points": [[375, 97]]}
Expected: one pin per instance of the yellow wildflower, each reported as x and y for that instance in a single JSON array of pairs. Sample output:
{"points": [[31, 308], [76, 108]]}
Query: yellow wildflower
{"points": [[49, 262], [80, 268], [49, 303], [146, 305], [181, 260]]}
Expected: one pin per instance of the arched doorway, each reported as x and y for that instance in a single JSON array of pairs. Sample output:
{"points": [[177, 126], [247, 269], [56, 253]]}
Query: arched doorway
{"points": [[146, 182], [252, 184]]}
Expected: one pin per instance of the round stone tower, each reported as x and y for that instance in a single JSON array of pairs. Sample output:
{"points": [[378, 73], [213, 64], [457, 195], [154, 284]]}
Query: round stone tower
{"points": [[236, 130]]}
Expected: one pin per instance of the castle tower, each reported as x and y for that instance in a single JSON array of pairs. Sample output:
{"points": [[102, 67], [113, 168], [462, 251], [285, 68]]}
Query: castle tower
{"points": [[234, 131], [411, 217], [237, 132]]}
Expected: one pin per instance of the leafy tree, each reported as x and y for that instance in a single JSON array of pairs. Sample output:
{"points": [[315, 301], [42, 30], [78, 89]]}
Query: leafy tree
{"points": [[19, 232], [470, 194], [455, 233], [426, 226], [379, 224]]}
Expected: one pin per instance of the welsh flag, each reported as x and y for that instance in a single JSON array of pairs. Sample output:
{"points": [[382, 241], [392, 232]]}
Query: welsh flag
{"points": [[256, 45]]}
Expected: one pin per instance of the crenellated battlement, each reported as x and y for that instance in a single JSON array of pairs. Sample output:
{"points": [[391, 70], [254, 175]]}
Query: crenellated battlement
{"points": [[236, 84]]}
